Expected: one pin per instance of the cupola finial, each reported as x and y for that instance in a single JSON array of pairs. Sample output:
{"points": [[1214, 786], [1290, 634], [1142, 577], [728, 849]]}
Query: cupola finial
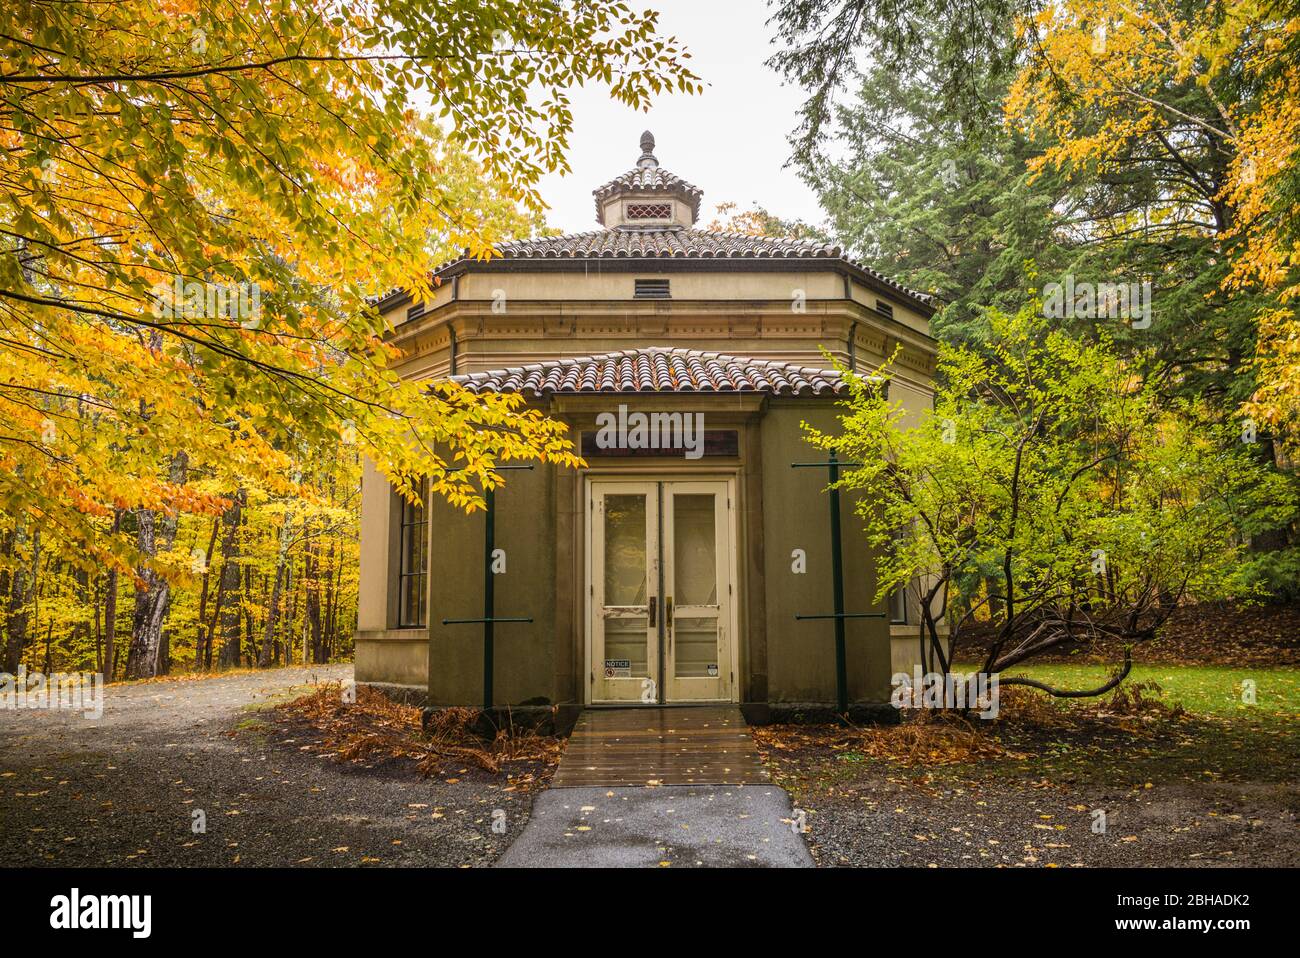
{"points": [[648, 159], [647, 196]]}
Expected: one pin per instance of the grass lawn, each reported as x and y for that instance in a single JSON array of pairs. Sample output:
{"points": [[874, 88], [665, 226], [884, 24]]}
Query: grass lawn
{"points": [[1215, 784], [1223, 736], [1208, 690]]}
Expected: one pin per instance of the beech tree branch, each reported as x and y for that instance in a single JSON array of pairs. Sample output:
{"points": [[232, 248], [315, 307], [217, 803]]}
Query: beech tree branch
{"points": [[1102, 689]]}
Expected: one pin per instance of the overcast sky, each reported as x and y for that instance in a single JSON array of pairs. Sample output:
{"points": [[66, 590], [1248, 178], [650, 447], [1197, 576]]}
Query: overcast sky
{"points": [[730, 140]]}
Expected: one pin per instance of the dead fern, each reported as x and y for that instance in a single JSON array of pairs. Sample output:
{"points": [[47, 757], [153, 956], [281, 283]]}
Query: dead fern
{"points": [[1019, 705], [1141, 700], [374, 729], [1134, 707], [926, 738]]}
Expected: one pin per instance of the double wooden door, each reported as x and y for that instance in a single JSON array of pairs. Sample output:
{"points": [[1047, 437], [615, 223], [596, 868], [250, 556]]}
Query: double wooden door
{"points": [[660, 590]]}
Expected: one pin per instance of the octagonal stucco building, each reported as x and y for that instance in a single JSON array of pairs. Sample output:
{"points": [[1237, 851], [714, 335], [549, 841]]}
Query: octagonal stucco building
{"points": [[664, 572]]}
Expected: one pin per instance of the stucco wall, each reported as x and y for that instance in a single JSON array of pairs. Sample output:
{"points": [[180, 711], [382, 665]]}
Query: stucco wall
{"points": [[525, 652], [383, 653], [801, 655], [372, 596], [602, 280], [396, 657]]}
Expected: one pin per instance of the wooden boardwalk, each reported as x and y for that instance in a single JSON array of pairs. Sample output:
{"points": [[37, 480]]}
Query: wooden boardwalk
{"points": [[693, 745]]}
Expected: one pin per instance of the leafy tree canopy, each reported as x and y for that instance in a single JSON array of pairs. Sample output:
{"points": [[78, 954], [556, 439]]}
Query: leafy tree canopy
{"points": [[197, 201], [1054, 485], [1150, 142]]}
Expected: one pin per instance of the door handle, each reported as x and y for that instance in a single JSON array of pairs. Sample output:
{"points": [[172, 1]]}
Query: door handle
{"points": [[668, 620], [654, 605]]}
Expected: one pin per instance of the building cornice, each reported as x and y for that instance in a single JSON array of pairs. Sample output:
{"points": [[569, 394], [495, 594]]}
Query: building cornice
{"points": [[728, 319], [605, 265]]}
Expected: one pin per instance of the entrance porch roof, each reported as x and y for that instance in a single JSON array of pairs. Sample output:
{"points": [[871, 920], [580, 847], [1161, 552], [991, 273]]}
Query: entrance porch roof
{"points": [[659, 369]]}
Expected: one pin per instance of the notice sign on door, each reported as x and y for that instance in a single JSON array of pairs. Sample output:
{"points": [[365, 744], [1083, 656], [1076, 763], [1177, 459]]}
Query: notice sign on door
{"points": [[618, 669], [713, 671]]}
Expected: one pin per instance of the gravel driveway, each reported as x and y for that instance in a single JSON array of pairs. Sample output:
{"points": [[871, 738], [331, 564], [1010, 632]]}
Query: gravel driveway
{"points": [[127, 789], [879, 820]]}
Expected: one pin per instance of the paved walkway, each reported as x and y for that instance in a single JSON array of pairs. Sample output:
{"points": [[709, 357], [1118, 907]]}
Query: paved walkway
{"points": [[660, 787], [702, 745]]}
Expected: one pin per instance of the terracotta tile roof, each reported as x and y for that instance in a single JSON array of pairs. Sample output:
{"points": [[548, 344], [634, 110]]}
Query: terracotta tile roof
{"points": [[651, 179], [656, 243], [678, 243], [659, 369]]}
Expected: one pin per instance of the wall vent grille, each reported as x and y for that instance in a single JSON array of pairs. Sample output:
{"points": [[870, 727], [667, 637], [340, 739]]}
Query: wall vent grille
{"points": [[652, 289], [648, 211]]}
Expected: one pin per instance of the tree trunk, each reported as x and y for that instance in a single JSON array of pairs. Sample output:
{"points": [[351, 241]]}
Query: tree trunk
{"points": [[995, 605], [165, 653], [291, 626], [151, 595], [314, 606], [227, 624], [340, 634], [250, 631], [99, 629], [110, 611], [6, 583], [272, 616], [153, 592], [224, 582], [273, 606], [204, 635], [86, 627], [17, 594], [331, 603]]}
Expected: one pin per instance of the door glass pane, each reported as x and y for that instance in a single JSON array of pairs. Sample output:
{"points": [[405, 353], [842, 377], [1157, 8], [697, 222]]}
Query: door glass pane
{"points": [[625, 648], [625, 549], [695, 562], [696, 652]]}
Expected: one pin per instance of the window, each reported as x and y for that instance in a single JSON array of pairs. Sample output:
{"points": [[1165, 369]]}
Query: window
{"points": [[415, 312], [648, 211], [413, 562], [651, 289], [898, 607], [884, 308]]}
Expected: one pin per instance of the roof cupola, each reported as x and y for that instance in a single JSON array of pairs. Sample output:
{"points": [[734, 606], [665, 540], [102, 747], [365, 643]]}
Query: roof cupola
{"points": [[647, 197]]}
